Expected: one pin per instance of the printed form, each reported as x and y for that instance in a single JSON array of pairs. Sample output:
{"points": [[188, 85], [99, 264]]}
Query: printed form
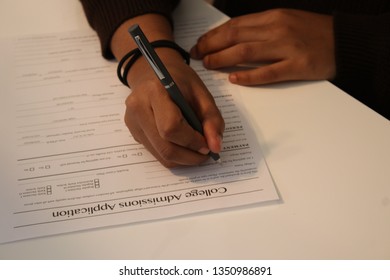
{"points": [[68, 161]]}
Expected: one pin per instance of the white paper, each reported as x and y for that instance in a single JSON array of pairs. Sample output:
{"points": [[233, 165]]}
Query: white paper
{"points": [[68, 161]]}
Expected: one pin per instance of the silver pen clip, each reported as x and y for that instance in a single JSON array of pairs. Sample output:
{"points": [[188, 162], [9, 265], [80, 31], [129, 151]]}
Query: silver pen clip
{"points": [[149, 57]]}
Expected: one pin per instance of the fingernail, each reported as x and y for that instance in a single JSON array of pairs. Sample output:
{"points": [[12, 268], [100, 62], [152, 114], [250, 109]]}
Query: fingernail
{"points": [[204, 151], [233, 78]]}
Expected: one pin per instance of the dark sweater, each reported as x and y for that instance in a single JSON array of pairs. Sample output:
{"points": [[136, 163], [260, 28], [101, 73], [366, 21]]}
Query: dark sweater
{"points": [[362, 36]]}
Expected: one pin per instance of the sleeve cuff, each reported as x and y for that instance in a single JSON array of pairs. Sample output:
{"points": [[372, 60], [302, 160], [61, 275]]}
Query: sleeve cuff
{"points": [[106, 16]]}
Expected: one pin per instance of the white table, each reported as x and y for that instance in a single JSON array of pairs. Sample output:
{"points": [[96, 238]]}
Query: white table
{"points": [[328, 154]]}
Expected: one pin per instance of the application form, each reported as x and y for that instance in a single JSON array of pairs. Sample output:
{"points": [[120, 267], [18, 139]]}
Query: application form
{"points": [[68, 161]]}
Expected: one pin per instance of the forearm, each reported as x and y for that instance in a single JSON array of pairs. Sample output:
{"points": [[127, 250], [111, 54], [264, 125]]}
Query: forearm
{"points": [[106, 16]]}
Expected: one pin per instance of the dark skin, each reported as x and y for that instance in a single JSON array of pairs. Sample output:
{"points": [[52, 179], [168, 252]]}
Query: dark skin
{"points": [[151, 116], [295, 45]]}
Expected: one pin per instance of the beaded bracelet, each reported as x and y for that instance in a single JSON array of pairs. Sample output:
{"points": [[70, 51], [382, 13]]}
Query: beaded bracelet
{"points": [[136, 53]]}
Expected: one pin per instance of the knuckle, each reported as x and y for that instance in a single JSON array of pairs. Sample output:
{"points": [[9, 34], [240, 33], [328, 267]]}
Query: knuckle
{"points": [[245, 52], [282, 30], [211, 61], [271, 75], [251, 79], [167, 153], [170, 129], [280, 14], [233, 23], [131, 103], [166, 133], [281, 23], [131, 107], [232, 35]]}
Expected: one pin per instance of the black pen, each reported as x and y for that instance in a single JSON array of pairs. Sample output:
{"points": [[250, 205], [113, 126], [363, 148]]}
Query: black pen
{"points": [[165, 78]]}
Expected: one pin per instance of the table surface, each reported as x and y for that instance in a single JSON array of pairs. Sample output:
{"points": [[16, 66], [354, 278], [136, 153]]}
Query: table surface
{"points": [[328, 154]]}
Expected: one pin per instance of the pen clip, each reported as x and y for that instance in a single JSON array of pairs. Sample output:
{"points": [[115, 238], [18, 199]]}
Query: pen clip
{"points": [[148, 57]]}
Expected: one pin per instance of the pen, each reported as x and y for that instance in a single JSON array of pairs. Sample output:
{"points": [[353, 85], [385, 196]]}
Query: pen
{"points": [[165, 78]]}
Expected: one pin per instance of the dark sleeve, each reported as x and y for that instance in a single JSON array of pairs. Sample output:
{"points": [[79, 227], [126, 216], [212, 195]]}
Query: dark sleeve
{"points": [[105, 16], [363, 59]]}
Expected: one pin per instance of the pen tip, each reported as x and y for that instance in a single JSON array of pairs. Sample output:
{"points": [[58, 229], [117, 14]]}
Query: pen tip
{"points": [[214, 156]]}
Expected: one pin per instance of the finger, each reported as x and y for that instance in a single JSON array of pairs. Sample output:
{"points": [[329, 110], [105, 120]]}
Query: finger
{"points": [[226, 38], [257, 25], [172, 126], [209, 115], [169, 154], [213, 126], [272, 73], [213, 131], [250, 20], [245, 53], [144, 130]]}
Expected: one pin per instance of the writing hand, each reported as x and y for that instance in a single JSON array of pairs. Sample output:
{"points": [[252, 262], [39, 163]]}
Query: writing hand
{"points": [[156, 122], [151, 116]]}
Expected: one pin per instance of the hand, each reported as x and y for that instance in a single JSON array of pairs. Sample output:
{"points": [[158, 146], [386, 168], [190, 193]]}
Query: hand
{"points": [[156, 122], [293, 44], [151, 116]]}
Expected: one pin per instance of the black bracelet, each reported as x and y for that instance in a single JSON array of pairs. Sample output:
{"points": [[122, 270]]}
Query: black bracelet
{"points": [[136, 53]]}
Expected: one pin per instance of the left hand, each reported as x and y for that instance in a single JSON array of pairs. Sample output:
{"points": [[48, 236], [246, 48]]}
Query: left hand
{"points": [[294, 44]]}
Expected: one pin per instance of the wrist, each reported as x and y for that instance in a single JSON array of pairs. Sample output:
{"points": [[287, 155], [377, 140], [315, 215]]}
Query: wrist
{"points": [[170, 57], [156, 27]]}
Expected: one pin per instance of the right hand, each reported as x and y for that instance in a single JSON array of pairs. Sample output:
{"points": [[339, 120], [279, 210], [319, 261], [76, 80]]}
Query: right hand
{"points": [[151, 116], [156, 122]]}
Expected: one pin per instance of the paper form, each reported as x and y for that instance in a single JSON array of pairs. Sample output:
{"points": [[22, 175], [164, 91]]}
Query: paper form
{"points": [[69, 161]]}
